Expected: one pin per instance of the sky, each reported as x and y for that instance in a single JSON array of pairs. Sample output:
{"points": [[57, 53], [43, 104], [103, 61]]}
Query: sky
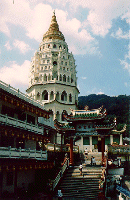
{"points": [[96, 31]]}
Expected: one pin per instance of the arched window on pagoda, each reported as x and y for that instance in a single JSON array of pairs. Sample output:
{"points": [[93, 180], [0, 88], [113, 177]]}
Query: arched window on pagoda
{"points": [[70, 98], [45, 77], [54, 46], [54, 63], [64, 78], [72, 78], [68, 79], [49, 77], [51, 95], [64, 96], [60, 47], [57, 96], [48, 45], [58, 115], [60, 77], [45, 95], [38, 96]]}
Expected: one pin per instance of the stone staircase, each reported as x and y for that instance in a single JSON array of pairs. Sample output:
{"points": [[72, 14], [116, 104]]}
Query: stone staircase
{"points": [[85, 186]]}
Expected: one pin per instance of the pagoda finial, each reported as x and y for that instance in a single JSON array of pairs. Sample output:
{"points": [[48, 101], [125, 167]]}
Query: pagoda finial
{"points": [[54, 12]]}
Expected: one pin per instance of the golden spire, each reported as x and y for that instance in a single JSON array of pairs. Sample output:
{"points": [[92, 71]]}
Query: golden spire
{"points": [[53, 31]]}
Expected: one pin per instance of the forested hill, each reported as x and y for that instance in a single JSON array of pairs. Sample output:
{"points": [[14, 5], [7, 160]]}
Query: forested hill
{"points": [[115, 106]]}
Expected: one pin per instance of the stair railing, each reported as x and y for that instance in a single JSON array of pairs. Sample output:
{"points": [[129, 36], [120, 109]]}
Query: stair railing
{"points": [[60, 174]]}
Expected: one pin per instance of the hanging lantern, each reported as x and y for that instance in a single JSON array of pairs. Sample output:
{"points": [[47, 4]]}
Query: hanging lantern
{"points": [[30, 167], [18, 135], [12, 133], [28, 137], [37, 139], [7, 168], [6, 132], [17, 103], [33, 138], [25, 168], [12, 101], [23, 136], [13, 168], [20, 168], [5, 98], [39, 167]]}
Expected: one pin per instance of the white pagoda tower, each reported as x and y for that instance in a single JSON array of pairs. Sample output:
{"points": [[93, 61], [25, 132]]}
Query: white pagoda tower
{"points": [[52, 79]]}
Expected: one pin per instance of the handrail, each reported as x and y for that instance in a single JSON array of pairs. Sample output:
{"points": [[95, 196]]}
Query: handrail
{"points": [[21, 95], [21, 124], [60, 174], [8, 152], [123, 191]]}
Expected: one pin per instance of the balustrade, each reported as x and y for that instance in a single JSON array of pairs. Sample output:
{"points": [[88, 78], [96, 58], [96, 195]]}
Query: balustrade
{"points": [[4, 119], [8, 152]]}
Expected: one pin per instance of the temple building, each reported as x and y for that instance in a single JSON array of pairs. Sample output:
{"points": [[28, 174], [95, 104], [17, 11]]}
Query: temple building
{"points": [[22, 156], [52, 79], [91, 132]]}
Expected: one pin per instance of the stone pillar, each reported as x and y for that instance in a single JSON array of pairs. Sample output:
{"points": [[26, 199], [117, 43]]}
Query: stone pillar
{"points": [[41, 97], [49, 96], [0, 107], [102, 146], [90, 139], [54, 95], [120, 139], [111, 139], [71, 151], [82, 147]]}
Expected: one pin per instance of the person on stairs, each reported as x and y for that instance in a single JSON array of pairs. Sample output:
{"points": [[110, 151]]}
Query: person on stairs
{"points": [[80, 168]]}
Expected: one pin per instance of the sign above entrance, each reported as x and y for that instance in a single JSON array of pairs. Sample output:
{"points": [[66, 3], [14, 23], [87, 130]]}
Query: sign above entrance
{"points": [[85, 134]]}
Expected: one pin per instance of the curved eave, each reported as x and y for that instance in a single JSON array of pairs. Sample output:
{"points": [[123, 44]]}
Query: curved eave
{"points": [[85, 119], [55, 100], [51, 83]]}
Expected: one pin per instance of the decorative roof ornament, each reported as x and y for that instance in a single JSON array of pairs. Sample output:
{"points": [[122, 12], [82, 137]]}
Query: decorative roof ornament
{"points": [[53, 31]]}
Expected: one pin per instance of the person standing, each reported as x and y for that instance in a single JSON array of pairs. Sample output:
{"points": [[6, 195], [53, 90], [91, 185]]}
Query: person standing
{"points": [[94, 161], [80, 168]]}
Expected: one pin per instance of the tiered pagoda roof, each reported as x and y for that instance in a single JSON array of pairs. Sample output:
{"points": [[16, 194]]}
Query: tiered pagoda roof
{"points": [[53, 31], [86, 114]]}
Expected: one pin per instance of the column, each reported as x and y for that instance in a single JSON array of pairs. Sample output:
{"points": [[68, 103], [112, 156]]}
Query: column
{"points": [[0, 108], [54, 95], [71, 151], [49, 96], [90, 139], [102, 146], [111, 139], [41, 97], [82, 147], [120, 139]]}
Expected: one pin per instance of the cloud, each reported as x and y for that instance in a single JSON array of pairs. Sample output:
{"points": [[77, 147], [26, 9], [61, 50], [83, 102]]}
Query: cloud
{"points": [[101, 13], [126, 62], [15, 75], [126, 65], [35, 20], [84, 78], [22, 46], [119, 34], [7, 45]]}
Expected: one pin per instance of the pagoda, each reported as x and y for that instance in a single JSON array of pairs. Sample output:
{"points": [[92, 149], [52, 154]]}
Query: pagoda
{"points": [[52, 79]]}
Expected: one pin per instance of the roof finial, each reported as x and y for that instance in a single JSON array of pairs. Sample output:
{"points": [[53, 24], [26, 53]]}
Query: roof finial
{"points": [[54, 12]]}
